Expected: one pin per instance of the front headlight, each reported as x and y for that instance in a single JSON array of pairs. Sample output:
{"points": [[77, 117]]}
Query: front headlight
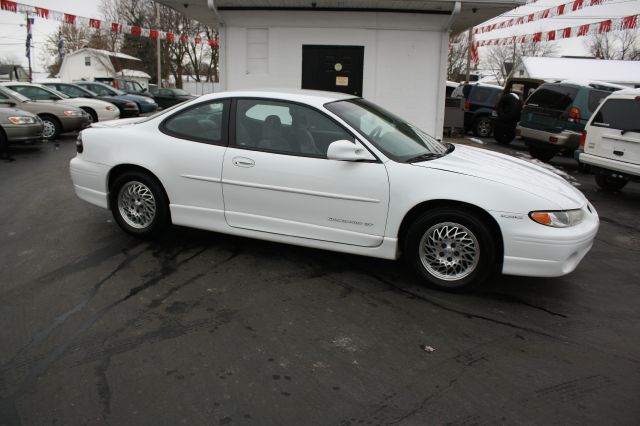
{"points": [[110, 108], [22, 120], [149, 100], [558, 218], [73, 113]]}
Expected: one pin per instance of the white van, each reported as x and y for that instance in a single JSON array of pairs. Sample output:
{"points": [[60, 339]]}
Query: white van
{"points": [[611, 140]]}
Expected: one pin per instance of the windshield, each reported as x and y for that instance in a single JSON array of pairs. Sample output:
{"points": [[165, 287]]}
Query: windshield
{"points": [[55, 92], [392, 135], [14, 94]]}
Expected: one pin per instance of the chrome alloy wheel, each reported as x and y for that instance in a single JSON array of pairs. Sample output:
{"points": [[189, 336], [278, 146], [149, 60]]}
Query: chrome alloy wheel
{"points": [[136, 204], [484, 127], [449, 251], [49, 129]]}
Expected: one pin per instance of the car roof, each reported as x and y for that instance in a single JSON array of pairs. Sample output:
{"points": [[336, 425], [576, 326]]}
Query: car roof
{"points": [[311, 97], [626, 93], [591, 84]]}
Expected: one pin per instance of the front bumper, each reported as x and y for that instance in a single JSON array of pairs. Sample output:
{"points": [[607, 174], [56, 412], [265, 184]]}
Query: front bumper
{"points": [[72, 124], [129, 112], [145, 107], [23, 132], [564, 140], [90, 181], [535, 250]]}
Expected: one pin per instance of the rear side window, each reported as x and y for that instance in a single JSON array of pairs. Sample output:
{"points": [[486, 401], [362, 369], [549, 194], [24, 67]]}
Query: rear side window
{"points": [[481, 95], [553, 97], [621, 114], [595, 97], [201, 123]]}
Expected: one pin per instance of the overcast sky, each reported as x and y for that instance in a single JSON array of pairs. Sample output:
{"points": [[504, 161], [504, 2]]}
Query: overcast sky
{"points": [[13, 31]]}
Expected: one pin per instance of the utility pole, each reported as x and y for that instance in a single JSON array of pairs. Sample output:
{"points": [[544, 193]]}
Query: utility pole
{"points": [[28, 45], [158, 47], [469, 47]]}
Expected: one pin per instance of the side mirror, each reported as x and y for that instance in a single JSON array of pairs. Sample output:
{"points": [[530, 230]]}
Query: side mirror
{"points": [[344, 150]]}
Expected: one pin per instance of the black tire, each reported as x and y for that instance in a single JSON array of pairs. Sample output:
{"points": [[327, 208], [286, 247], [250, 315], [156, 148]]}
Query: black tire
{"points": [[483, 127], [92, 114], [607, 182], [4, 145], [140, 222], [483, 264], [504, 133], [52, 127], [542, 154]]}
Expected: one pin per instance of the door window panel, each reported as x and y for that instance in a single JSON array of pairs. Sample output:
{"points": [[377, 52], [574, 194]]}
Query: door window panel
{"points": [[286, 128], [71, 91], [33, 93], [202, 123]]}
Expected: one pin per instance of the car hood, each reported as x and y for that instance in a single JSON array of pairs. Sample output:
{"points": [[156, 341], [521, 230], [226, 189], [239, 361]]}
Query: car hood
{"points": [[118, 123], [511, 171]]}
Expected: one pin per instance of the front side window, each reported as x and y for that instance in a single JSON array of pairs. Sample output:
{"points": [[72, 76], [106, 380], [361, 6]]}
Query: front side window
{"points": [[286, 128], [201, 123], [71, 91], [392, 135], [620, 114]]}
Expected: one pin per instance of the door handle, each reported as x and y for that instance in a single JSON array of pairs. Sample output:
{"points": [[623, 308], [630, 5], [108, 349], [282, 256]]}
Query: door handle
{"points": [[243, 162], [620, 153]]}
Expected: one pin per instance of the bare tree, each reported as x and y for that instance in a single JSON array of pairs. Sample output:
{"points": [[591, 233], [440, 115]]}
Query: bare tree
{"points": [[457, 59], [498, 57], [620, 45]]}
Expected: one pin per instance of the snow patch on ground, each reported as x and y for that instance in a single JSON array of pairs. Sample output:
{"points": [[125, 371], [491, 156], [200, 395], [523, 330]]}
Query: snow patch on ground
{"points": [[557, 170], [476, 141]]}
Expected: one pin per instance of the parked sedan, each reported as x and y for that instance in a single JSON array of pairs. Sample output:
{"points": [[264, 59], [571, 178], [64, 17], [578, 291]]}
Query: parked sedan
{"points": [[170, 97], [19, 126], [127, 108], [145, 104], [336, 172], [56, 118], [98, 110]]}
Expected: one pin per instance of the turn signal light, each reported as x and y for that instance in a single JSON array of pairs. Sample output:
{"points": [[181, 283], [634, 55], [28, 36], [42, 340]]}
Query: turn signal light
{"points": [[583, 139], [79, 146], [541, 217], [467, 104], [553, 139]]}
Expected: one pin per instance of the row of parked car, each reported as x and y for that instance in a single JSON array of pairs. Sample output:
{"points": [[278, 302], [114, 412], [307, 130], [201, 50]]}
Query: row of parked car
{"points": [[596, 122], [44, 111]]}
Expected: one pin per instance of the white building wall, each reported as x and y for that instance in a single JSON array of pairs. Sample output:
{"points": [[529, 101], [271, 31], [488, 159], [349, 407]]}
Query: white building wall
{"points": [[403, 66], [73, 68]]}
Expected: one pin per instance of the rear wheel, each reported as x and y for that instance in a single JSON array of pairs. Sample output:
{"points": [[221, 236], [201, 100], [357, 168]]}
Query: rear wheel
{"points": [[139, 204], [451, 249], [609, 182], [542, 154], [504, 134], [482, 127]]}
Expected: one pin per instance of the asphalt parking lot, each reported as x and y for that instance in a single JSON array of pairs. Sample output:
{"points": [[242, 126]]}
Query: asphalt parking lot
{"points": [[202, 328]]}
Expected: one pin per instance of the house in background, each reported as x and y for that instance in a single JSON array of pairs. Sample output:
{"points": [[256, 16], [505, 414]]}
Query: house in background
{"points": [[626, 73], [13, 72], [391, 52], [89, 64]]}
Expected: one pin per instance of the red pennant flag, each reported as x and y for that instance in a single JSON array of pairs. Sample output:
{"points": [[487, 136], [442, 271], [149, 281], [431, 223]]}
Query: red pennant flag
{"points": [[566, 33], [115, 27], [595, 2], [213, 42], [551, 35], [170, 36], [43, 13], [583, 30], [9, 6], [545, 13], [605, 26], [153, 34], [523, 39], [184, 38], [530, 17], [560, 9], [629, 22], [537, 37], [510, 22], [577, 5], [197, 40], [94, 23], [136, 31], [69, 19]]}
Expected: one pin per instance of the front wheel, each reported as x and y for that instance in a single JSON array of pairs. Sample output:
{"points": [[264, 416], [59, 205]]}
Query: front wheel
{"points": [[542, 154], [51, 127], [139, 204], [609, 182], [451, 249]]}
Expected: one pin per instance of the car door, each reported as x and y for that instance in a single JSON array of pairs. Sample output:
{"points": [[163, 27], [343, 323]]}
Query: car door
{"points": [[277, 178], [614, 132], [196, 138], [163, 98]]}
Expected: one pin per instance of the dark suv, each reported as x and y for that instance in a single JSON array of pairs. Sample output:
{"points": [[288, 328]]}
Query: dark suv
{"points": [[554, 116], [480, 100]]}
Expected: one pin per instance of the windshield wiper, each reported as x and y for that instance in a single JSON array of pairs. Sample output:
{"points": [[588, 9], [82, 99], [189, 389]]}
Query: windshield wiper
{"points": [[622, 132], [423, 157]]}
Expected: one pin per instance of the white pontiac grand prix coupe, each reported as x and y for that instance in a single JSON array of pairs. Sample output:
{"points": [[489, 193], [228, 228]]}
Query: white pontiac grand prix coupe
{"points": [[335, 172]]}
